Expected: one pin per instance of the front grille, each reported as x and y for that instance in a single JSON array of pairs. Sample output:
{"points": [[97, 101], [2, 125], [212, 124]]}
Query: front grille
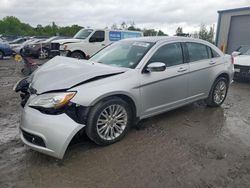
{"points": [[245, 69], [243, 72], [34, 139], [55, 46]]}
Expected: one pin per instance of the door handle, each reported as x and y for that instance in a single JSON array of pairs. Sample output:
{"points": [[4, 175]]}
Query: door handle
{"points": [[182, 69], [103, 44], [212, 62]]}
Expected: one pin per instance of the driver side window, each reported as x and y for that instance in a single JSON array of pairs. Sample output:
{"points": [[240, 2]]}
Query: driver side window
{"points": [[170, 54], [98, 36]]}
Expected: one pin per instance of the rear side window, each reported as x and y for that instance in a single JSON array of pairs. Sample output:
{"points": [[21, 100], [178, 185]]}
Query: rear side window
{"points": [[214, 53], [98, 36], [170, 54], [197, 51]]}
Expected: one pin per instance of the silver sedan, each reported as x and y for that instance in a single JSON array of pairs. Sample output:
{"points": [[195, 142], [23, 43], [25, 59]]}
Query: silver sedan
{"points": [[124, 83]]}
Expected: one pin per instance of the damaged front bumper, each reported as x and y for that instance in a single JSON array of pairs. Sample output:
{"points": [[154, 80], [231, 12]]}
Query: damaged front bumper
{"points": [[48, 134]]}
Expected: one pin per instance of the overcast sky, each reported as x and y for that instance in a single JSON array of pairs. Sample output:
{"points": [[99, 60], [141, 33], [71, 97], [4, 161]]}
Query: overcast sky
{"points": [[166, 15]]}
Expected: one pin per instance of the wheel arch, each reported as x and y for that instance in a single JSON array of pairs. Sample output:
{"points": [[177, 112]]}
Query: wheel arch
{"points": [[79, 51], [122, 96], [223, 74]]}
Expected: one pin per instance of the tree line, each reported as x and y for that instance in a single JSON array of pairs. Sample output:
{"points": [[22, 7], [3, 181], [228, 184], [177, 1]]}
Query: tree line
{"points": [[11, 25], [203, 33]]}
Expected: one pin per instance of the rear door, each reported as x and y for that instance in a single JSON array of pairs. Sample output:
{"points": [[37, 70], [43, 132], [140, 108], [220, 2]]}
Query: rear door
{"points": [[201, 66]]}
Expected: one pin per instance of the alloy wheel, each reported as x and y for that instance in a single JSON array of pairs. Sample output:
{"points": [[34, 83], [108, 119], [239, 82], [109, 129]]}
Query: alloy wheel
{"points": [[111, 122], [220, 92]]}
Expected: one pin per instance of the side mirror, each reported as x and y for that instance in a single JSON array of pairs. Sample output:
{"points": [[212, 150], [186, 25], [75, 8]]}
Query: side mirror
{"points": [[156, 67], [235, 53]]}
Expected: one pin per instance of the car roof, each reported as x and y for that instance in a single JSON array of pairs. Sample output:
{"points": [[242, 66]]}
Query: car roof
{"points": [[156, 39]]}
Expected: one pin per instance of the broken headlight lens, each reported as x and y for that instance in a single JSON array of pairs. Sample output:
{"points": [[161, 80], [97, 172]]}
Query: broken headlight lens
{"points": [[52, 100]]}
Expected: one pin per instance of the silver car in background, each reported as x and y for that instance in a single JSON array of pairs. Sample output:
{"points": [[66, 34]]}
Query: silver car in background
{"points": [[124, 83]]}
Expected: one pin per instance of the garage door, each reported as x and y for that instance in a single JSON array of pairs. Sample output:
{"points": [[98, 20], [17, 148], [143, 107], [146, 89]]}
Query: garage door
{"points": [[239, 33]]}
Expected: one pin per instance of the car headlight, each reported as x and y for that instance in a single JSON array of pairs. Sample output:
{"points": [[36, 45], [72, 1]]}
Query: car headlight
{"points": [[52, 100], [65, 47]]}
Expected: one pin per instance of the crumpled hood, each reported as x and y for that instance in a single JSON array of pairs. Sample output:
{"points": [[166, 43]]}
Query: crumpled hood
{"points": [[64, 41], [63, 73], [243, 60]]}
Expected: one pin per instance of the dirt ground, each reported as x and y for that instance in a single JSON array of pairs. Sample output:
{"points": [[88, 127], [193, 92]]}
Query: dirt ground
{"points": [[193, 146]]}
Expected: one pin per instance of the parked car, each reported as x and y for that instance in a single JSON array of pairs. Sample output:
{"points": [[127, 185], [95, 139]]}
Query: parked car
{"points": [[128, 81], [41, 49], [9, 38], [89, 41], [242, 62], [18, 48], [5, 50], [18, 41]]}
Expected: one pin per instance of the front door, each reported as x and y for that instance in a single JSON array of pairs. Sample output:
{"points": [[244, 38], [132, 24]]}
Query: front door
{"points": [[96, 42], [165, 90]]}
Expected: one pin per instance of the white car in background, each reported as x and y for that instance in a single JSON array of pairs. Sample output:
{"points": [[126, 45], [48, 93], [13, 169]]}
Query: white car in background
{"points": [[87, 42], [19, 47], [242, 62]]}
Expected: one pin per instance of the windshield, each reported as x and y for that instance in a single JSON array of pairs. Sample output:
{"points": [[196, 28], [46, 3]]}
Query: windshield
{"points": [[244, 50], [83, 33], [123, 54], [50, 39], [17, 41]]}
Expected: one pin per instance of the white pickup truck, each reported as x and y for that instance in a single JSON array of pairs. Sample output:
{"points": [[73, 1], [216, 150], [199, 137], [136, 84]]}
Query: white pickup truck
{"points": [[87, 42]]}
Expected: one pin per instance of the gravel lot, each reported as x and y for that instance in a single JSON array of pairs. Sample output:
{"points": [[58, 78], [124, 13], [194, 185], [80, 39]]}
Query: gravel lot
{"points": [[193, 146]]}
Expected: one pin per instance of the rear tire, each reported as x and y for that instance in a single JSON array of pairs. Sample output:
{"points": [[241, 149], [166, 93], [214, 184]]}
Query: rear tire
{"points": [[109, 121], [218, 92]]}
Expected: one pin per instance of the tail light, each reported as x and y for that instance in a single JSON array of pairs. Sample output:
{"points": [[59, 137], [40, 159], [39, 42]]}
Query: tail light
{"points": [[232, 59]]}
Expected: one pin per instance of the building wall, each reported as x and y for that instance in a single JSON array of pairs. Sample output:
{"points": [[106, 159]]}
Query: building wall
{"points": [[223, 26]]}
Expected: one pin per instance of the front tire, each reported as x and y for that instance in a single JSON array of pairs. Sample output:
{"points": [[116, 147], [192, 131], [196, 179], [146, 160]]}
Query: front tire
{"points": [[77, 55], [43, 53], [218, 92], [109, 121]]}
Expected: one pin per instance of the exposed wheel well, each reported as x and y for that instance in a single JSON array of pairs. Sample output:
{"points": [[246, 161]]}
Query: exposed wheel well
{"points": [[79, 51]]}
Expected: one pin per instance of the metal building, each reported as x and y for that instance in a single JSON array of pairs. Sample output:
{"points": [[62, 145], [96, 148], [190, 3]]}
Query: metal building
{"points": [[233, 29]]}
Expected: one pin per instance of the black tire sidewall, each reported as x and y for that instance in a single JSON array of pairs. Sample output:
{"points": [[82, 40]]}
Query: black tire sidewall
{"points": [[77, 54], [91, 129], [211, 101]]}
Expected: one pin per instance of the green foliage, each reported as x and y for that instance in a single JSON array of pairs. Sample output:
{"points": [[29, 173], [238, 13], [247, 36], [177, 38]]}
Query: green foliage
{"points": [[146, 32], [179, 31], [205, 34], [161, 33], [11, 25]]}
